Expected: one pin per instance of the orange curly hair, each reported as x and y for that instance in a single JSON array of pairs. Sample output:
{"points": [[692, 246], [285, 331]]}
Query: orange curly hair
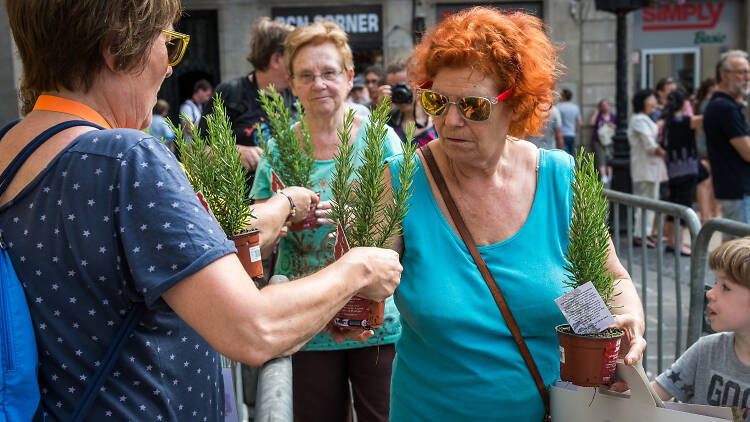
{"points": [[510, 48]]}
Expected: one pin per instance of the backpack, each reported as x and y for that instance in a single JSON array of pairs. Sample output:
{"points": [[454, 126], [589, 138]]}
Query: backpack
{"points": [[19, 388]]}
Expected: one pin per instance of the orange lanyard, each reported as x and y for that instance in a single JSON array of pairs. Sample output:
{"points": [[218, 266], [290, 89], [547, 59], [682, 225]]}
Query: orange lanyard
{"points": [[64, 105]]}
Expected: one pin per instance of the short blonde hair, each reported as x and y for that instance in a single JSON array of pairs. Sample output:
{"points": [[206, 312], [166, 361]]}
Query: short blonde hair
{"points": [[319, 32], [733, 257]]}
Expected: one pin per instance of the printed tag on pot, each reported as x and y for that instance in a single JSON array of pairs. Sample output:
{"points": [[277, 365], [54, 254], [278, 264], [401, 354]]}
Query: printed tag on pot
{"points": [[585, 310], [276, 183]]}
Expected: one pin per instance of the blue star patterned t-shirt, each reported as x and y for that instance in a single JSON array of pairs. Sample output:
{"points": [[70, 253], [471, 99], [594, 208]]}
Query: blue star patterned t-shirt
{"points": [[110, 222]]}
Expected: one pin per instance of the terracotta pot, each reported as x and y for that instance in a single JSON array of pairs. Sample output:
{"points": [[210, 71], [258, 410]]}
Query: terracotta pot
{"points": [[248, 251], [587, 361], [359, 313], [308, 223]]}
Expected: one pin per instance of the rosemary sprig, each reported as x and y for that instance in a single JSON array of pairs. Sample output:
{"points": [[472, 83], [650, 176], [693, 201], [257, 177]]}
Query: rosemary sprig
{"points": [[359, 195], [291, 158], [589, 232], [213, 166]]}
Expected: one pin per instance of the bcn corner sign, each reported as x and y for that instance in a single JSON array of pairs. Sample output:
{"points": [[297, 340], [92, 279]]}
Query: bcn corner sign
{"points": [[715, 23], [363, 24]]}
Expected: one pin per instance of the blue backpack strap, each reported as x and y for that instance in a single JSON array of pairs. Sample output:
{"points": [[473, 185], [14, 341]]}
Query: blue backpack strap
{"points": [[115, 349], [113, 352], [15, 165]]}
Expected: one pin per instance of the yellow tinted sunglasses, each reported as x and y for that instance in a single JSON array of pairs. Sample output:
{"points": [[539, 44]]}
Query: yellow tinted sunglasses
{"points": [[176, 46]]}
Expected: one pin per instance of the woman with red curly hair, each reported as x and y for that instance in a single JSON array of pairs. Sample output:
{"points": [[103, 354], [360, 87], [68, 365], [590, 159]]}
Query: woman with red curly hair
{"points": [[486, 77]]}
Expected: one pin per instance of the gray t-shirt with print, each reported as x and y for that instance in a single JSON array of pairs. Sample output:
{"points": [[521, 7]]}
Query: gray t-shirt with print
{"points": [[709, 372]]}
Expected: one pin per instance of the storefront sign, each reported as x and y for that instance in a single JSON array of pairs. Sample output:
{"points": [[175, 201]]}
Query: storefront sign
{"points": [[689, 24], [363, 24], [682, 16]]}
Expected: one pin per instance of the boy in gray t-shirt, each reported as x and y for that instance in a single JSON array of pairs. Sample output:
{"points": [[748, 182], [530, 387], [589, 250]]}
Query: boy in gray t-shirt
{"points": [[716, 369]]}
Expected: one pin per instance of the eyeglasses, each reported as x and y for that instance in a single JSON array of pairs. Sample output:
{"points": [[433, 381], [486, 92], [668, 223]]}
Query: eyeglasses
{"points": [[740, 72], [475, 109], [176, 46], [328, 76]]}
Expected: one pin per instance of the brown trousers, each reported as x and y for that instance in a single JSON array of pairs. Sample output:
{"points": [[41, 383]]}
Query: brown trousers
{"points": [[321, 384]]}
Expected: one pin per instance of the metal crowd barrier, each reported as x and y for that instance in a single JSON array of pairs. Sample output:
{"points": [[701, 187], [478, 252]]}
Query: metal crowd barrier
{"points": [[273, 402], [680, 214], [698, 263]]}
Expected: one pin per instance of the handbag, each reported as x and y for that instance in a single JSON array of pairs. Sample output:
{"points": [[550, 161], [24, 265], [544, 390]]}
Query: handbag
{"points": [[605, 133], [465, 235]]}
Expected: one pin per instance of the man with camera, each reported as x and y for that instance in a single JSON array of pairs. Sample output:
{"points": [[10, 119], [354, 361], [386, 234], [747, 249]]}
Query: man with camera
{"points": [[403, 109]]}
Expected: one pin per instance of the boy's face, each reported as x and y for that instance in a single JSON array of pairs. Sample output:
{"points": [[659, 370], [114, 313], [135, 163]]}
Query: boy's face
{"points": [[728, 305]]}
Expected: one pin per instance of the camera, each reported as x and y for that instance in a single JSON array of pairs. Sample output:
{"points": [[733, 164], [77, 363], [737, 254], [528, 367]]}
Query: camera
{"points": [[401, 93]]}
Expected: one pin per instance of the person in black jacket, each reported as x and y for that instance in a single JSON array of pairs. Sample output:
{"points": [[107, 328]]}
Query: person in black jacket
{"points": [[240, 95]]}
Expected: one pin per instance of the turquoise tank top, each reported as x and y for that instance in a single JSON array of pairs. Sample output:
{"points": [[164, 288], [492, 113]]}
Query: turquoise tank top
{"points": [[456, 359]]}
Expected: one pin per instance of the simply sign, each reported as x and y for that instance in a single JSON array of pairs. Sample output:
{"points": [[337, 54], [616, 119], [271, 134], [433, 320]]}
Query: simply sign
{"points": [[585, 310], [682, 16]]}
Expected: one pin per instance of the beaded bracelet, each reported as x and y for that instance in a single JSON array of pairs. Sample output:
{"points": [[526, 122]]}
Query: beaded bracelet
{"points": [[292, 207]]}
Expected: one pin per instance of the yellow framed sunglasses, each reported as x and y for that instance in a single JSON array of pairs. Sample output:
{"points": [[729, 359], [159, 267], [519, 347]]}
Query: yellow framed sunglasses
{"points": [[176, 46]]}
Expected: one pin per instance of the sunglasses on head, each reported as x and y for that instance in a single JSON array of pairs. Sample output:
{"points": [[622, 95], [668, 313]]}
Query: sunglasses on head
{"points": [[475, 109], [176, 46]]}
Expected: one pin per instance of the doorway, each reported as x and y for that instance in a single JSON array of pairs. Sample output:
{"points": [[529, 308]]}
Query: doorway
{"points": [[683, 65]]}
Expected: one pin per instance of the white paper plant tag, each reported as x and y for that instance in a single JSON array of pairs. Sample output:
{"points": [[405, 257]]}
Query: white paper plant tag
{"points": [[585, 310]]}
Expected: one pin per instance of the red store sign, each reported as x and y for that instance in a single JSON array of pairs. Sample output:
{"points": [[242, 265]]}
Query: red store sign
{"points": [[682, 16]]}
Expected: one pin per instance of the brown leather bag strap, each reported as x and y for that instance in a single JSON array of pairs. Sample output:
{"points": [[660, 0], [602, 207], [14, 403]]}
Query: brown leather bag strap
{"points": [[486, 274]]}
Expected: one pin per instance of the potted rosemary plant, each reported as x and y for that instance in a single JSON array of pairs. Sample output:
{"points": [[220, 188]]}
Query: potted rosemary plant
{"points": [[291, 156], [589, 359], [214, 169], [365, 214]]}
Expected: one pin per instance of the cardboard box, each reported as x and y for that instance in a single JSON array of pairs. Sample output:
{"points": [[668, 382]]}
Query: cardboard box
{"points": [[570, 403]]}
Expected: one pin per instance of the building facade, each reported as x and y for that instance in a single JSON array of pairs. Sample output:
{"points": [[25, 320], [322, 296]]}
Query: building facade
{"points": [[678, 40]]}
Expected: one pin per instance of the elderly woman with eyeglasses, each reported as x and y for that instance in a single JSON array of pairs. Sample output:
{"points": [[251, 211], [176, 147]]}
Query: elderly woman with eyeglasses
{"points": [[486, 77], [321, 71], [104, 230]]}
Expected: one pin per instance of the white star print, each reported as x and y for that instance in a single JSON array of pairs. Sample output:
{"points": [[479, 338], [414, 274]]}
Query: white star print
{"points": [[86, 233], [175, 204], [72, 300], [84, 157], [191, 226], [151, 204], [42, 326], [54, 377], [39, 300], [92, 312], [71, 217], [76, 186], [151, 269], [159, 246], [129, 207], [98, 172], [79, 352], [159, 184], [144, 227], [136, 249], [55, 286], [123, 398], [39, 245], [91, 202], [102, 249], [182, 245], [144, 164], [71, 390], [42, 218], [167, 225]]}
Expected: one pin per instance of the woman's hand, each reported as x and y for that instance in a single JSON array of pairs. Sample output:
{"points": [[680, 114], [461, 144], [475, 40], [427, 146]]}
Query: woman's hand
{"points": [[303, 199], [322, 214], [378, 269], [250, 156], [340, 335], [632, 346]]}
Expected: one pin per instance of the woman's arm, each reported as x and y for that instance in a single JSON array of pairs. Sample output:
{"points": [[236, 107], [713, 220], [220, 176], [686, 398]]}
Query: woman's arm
{"points": [[650, 145], [696, 122], [271, 214], [222, 304], [628, 310], [592, 120]]}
